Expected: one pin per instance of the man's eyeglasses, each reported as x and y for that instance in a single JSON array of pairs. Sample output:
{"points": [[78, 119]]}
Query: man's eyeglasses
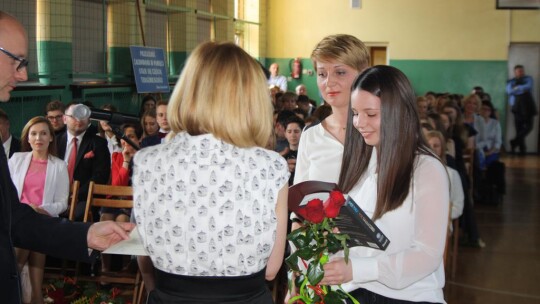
{"points": [[57, 117], [23, 63]]}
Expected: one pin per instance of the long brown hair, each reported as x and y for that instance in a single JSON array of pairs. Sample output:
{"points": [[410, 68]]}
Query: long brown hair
{"points": [[400, 141], [25, 145]]}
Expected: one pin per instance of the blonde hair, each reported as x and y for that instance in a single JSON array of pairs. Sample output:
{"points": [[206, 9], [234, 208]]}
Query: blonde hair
{"points": [[442, 140], [474, 99], [223, 91], [345, 49]]}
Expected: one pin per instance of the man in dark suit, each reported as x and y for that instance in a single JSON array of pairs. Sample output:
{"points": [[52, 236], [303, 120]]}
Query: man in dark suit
{"points": [[11, 143], [92, 158], [20, 225]]}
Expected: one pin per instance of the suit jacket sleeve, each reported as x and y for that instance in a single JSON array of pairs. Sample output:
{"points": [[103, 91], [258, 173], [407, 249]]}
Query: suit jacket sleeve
{"points": [[53, 236]]}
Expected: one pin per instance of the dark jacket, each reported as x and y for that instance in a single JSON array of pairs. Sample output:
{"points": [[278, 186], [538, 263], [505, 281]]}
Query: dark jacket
{"points": [[93, 161], [21, 226], [15, 146]]}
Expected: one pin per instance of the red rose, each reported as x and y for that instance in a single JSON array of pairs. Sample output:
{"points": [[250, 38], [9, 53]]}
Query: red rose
{"points": [[333, 204], [313, 211]]}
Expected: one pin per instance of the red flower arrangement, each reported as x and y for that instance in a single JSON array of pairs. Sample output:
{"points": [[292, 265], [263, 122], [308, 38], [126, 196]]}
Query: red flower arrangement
{"points": [[315, 240]]}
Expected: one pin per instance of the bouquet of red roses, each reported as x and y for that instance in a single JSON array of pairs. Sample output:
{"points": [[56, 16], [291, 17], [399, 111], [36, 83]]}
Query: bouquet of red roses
{"points": [[315, 240]]}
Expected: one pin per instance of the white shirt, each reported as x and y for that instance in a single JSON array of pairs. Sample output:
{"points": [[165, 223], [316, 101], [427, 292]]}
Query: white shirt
{"points": [[456, 193], [69, 144], [319, 156], [204, 207], [280, 81], [7, 146], [411, 268], [493, 134]]}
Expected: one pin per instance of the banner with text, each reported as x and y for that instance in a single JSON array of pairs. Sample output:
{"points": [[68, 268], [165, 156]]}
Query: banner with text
{"points": [[150, 69]]}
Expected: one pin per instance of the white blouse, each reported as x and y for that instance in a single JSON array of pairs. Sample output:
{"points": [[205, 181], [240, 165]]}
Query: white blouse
{"points": [[319, 156], [411, 268], [204, 207]]}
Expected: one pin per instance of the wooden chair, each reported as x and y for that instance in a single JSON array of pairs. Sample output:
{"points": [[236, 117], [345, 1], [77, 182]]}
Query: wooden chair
{"points": [[73, 195], [452, 245], [113, 197]]}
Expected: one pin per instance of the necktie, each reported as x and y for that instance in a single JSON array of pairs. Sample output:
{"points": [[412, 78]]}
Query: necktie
{"points": [[72, 158], [162, 135]]}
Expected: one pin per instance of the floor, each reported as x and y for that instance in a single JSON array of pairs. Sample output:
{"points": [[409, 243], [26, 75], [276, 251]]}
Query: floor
{"points": [[507, 270]]}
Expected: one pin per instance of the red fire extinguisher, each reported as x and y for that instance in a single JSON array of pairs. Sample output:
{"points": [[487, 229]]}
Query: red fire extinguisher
{"points": [[296, 69]]}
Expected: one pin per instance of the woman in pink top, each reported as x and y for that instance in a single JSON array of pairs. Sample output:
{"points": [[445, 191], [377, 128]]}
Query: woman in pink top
{"points": [[42, 182]]}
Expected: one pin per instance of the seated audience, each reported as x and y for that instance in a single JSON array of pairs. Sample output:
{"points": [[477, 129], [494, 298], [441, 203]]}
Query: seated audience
{"points": [[161, 117], [437, 143]]}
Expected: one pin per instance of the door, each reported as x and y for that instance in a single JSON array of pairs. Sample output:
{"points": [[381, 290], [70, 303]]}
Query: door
{"points": [[528, 55]]}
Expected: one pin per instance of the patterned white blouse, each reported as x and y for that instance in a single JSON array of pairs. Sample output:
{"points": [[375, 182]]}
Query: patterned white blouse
{"points": [[204, 207]]}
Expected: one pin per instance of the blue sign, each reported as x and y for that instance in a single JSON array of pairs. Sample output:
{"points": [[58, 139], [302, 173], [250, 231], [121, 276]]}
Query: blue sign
{"points": [[150, 69]]}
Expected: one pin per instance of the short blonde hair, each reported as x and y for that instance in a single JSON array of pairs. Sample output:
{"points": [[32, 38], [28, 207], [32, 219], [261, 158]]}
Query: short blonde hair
{"points": [[345, 49], [474, 99], [223, 91]]}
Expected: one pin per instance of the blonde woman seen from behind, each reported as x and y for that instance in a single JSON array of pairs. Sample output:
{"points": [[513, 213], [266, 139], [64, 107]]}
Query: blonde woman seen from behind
{"points": [[215, 175]]}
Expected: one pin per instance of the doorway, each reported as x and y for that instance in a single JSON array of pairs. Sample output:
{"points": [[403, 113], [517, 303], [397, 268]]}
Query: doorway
{"points": [[528, 55]]}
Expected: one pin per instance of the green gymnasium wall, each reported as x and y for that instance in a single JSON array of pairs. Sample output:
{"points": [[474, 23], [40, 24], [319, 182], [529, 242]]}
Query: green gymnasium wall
{"points": [[453, 76]]}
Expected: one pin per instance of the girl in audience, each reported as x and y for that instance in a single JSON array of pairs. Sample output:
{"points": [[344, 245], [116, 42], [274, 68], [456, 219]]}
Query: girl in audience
{"points": [[493, 137], [337, 59], [149, 123], [471, 106], [422, 105], [148, 103], [445, 124], [215, 175], [120, 176], [42, 182], [437, 143], [399, 182], [106, 131], [293, 132]]}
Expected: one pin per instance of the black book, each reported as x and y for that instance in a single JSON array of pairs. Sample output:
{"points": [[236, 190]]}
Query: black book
{"points": [[351, 220]]}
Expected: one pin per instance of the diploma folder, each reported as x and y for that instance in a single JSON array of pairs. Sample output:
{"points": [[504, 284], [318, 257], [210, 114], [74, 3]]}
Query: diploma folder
{"points": [[352, 220]]}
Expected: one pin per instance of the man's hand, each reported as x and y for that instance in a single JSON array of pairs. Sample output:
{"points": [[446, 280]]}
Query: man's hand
{"points": [[102, 235]]}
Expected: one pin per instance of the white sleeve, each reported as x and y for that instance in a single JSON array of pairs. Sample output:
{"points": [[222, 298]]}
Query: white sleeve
{"points": [[61, 191], [424, 254], [301, 171], [456, 194]]}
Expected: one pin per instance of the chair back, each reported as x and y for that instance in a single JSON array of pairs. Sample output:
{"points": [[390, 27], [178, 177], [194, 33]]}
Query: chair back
{"points": [[108, 196]]}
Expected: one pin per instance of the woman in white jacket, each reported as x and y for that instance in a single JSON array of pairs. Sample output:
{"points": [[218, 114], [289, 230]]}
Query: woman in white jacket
{"points": [[42, 182]]}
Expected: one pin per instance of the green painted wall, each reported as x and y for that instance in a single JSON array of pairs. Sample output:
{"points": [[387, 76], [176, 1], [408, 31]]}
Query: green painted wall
{"points": [[458, 76], [176, 62], [310, 81], [453, 76], [119, 61], [54, 61]]}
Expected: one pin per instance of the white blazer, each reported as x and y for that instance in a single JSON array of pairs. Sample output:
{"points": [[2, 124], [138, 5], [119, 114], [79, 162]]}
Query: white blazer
{"points": [[56, 192]]}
